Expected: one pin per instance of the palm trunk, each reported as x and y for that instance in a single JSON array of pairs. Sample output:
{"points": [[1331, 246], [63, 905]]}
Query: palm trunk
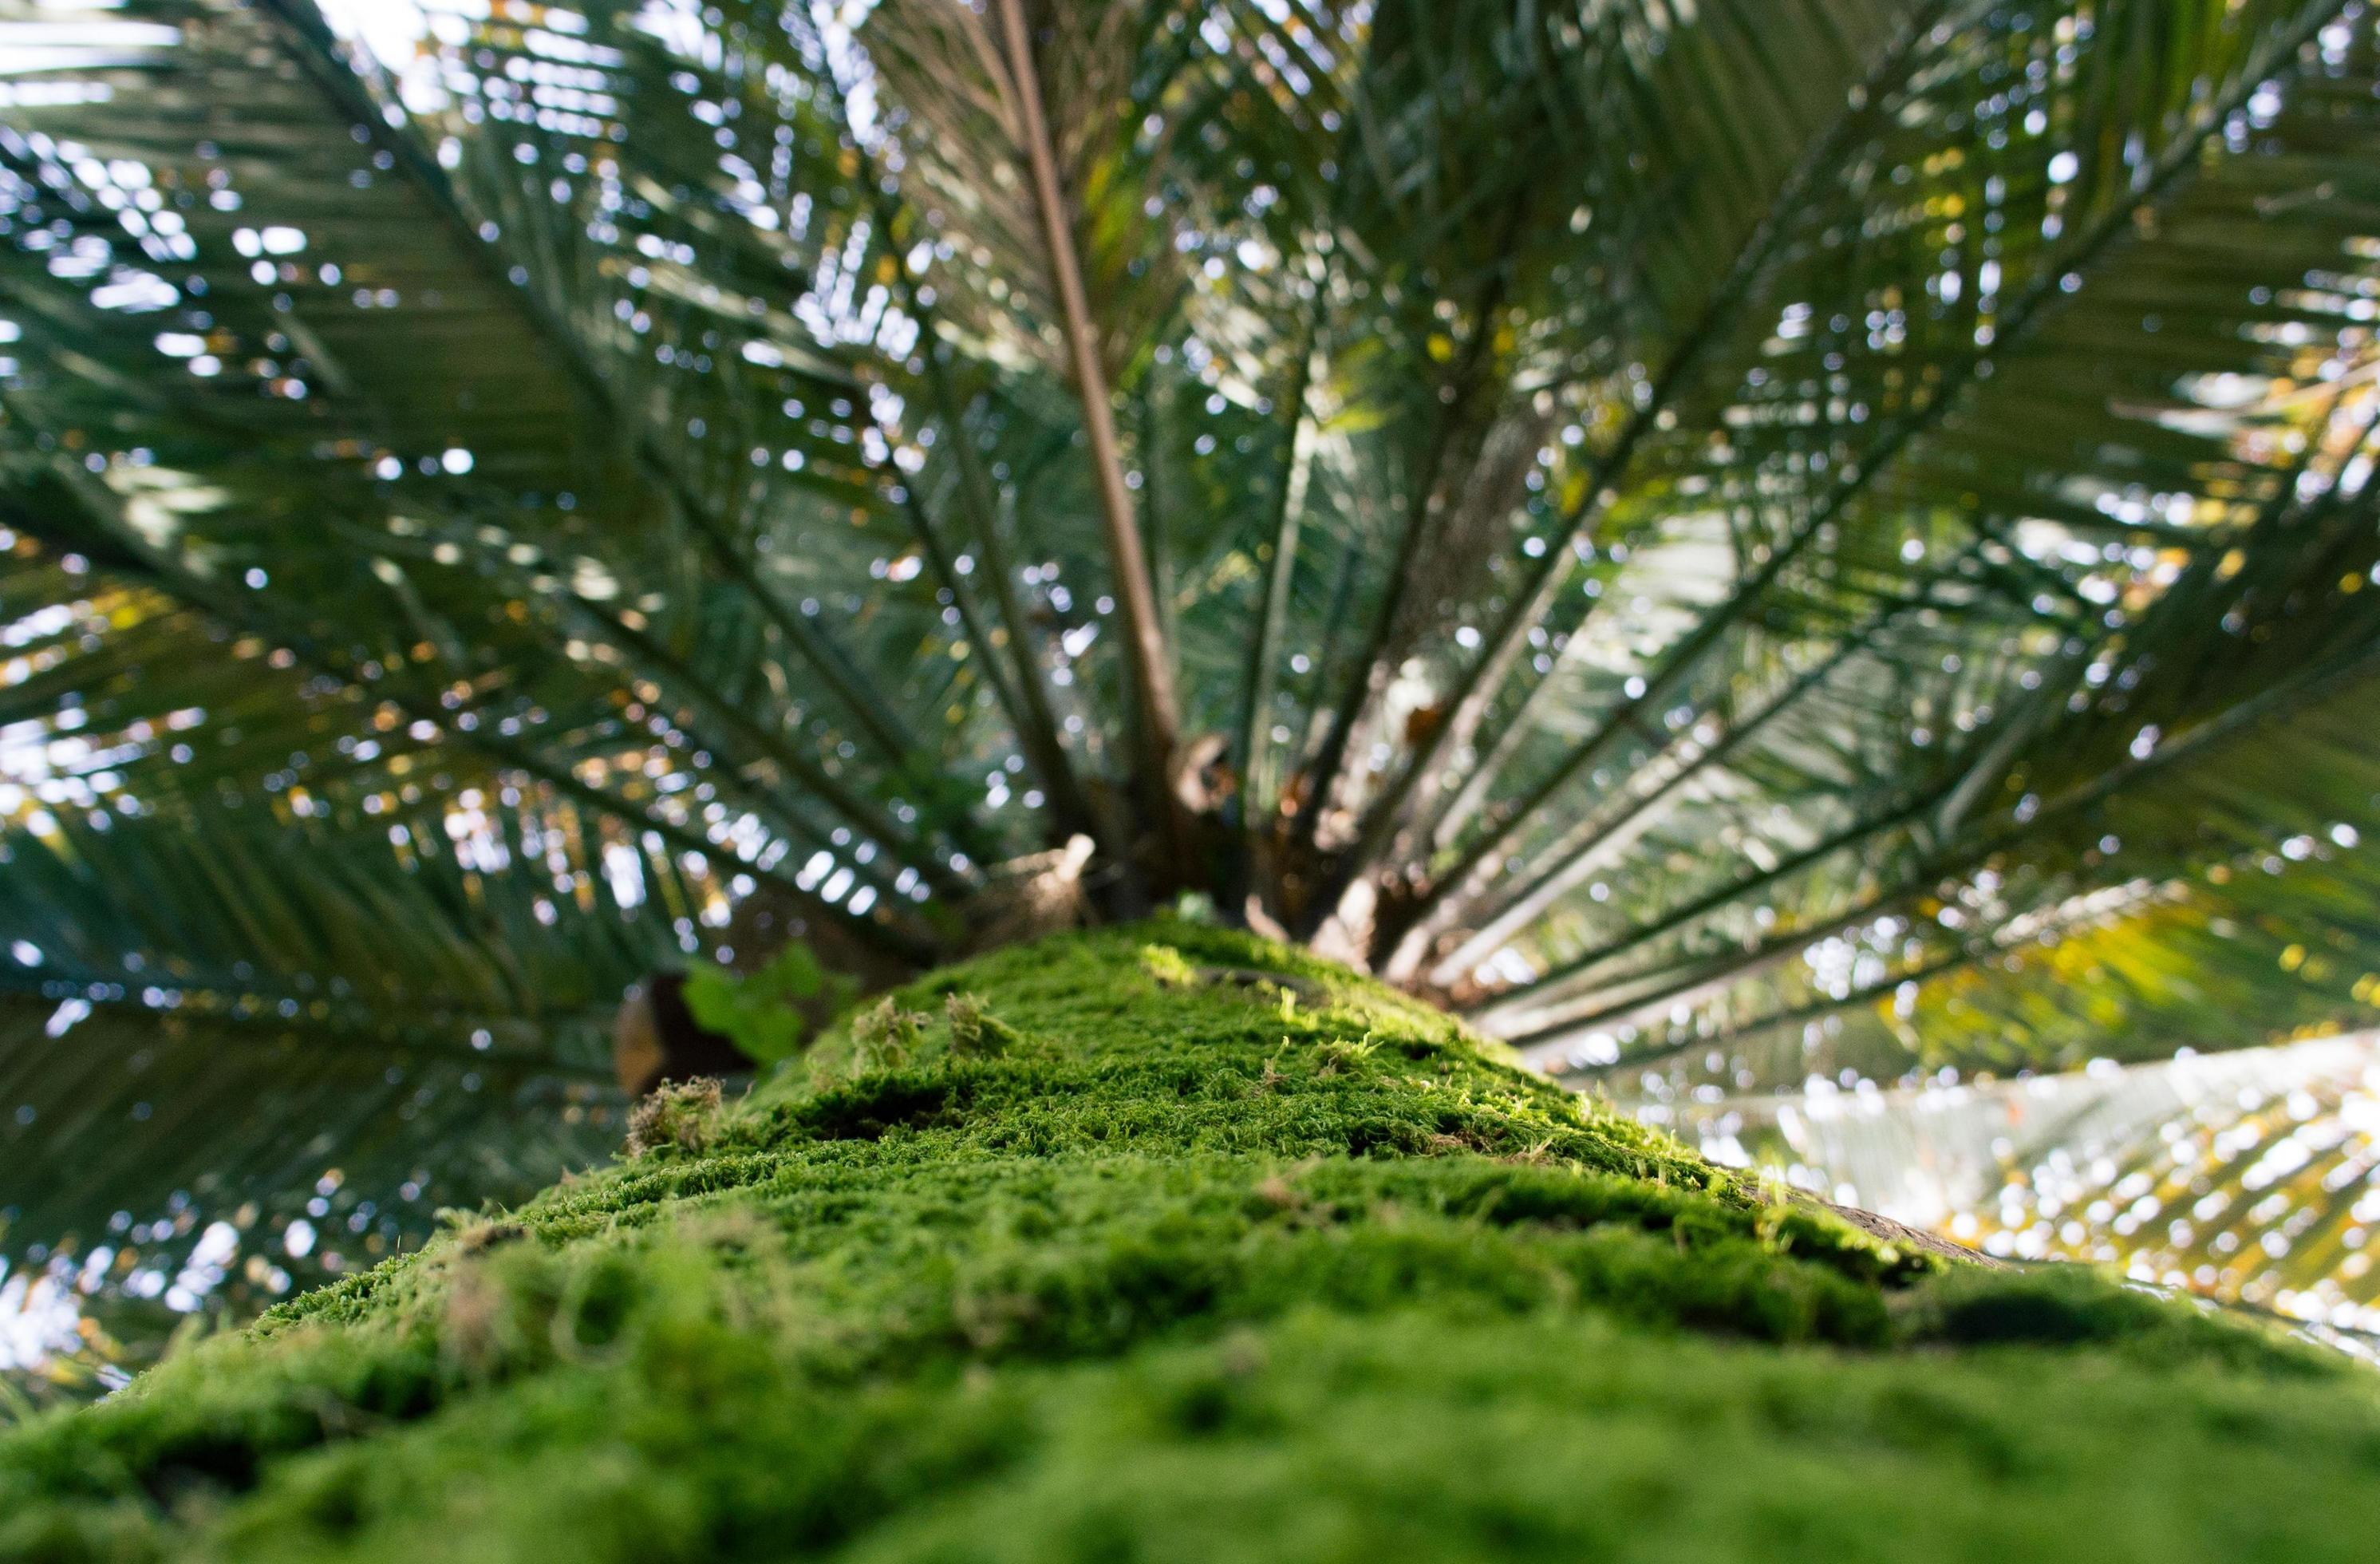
{"points": [[1167, 1242]]}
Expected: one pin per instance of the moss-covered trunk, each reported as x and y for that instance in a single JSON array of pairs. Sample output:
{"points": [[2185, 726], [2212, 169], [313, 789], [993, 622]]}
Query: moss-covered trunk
{"points": [[1169, 1244]]}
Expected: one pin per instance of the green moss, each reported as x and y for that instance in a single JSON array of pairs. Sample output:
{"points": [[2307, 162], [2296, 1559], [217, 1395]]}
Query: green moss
{"points": [[1167, 1243]]}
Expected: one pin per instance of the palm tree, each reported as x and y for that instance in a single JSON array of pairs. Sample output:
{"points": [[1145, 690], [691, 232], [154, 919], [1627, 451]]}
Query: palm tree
{"points": [[1725, 543]]}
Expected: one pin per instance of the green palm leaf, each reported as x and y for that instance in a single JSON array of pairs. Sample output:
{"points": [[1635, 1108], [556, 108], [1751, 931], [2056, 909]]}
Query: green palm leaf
{"points": [[2244, 1174]]}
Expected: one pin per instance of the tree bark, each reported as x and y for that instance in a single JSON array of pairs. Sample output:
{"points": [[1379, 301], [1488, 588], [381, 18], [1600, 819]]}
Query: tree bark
{"points": [[1168, 1244]]}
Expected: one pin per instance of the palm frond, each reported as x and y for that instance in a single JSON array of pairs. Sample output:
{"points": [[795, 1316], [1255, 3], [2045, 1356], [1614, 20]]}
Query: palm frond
{"points": [[2245, 1174]]}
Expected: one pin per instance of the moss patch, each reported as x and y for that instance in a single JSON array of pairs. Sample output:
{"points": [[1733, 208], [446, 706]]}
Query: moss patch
{"points": [[1168, 1244]]}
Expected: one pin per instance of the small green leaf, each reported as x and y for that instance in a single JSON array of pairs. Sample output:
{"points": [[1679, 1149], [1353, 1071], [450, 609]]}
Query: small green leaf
{"points": [[760, 1014]]}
